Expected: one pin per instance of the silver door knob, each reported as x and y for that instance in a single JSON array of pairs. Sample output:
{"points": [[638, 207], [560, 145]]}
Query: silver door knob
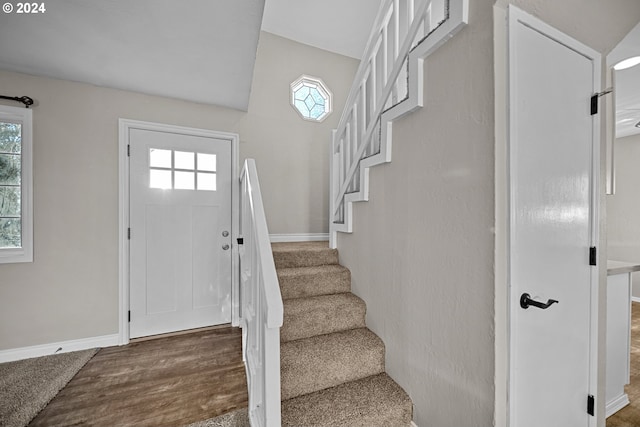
{"points": [[225, 234], [225, 247]]}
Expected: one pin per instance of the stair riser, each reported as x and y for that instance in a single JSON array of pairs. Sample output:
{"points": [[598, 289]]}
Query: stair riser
{"points": [[308, 317], [314, 284], [311, 365], [305, 258], [369, 402]]}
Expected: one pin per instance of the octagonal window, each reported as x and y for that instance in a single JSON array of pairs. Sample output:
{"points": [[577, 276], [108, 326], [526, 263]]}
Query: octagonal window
{"points": [[311, 98]]}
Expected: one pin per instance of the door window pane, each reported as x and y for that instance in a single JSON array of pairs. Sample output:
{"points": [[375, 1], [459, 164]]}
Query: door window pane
{"points": [[184, 180], [159, 178], [168, 164], [206, 181], [159, 158], [206, 162], [184, 160]]}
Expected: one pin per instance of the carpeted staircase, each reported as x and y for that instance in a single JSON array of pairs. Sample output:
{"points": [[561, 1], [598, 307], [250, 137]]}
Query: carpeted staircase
{"points": [[332, 366]]}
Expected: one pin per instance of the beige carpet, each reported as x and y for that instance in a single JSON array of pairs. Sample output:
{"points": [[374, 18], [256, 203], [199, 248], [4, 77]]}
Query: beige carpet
{"points": [[26, 386], [237, 418], [332, 366]]}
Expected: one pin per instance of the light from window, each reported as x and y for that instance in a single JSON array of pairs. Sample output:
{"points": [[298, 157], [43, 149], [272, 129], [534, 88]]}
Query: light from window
{"points": [[159, 158], [206, 181], [15, 185], [206, 162], [184, 160], [184, 180], [311, 98], [181, 170]]}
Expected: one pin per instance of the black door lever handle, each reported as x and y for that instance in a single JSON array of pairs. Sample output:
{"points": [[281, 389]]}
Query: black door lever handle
{"points": [[526, 301]]}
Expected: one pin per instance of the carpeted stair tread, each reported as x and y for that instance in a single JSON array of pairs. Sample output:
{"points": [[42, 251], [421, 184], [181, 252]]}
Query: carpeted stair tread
{"points": [[312, 364], [303, 254], [325, 314], [369, 402], [300, 282]]}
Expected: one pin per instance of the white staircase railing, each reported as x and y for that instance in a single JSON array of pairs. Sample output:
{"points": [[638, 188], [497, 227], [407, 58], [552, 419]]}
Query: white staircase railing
{"points": [[261, 308], [388, 85]]}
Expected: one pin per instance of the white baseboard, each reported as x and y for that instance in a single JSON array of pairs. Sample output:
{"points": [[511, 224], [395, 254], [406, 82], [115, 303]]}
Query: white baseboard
{"points": [[616, 404], [58, 347], [413, 424], [297, 237], [635, 299]]}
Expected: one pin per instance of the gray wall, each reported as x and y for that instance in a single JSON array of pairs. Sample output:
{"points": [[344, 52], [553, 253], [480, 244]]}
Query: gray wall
{"points": [[291, 153], [421, 254], [70, 291], [623, 208], [422, 250]]}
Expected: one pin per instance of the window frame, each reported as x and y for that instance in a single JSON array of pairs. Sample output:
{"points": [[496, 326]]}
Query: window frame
{"points": [[316, 83], [25, 118]]}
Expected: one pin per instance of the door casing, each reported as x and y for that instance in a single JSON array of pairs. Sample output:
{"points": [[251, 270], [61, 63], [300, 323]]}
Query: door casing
{"points": [[123, 213]]}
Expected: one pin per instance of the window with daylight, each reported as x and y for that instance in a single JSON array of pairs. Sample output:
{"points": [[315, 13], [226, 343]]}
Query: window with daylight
{"points": [[16, 216], [181, 170], [311, 98]]}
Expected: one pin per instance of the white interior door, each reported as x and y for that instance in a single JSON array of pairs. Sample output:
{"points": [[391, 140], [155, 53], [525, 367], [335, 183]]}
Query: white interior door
{"points": [[553, 217], [180, 236]]}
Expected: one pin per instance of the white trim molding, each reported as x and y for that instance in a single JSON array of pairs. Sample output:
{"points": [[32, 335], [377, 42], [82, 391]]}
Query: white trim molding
{"points": [[125, 125], [298, 237], [616, 405], [58, 347]]}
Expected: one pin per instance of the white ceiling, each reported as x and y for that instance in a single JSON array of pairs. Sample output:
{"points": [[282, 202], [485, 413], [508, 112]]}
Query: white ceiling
{"points": [[340, 26], [627, 85], [200, 50], [197, 50]]}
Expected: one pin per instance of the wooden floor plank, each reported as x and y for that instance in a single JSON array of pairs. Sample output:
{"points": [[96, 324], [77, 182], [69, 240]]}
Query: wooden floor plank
{"points": [[629, 416], [170, 381]]}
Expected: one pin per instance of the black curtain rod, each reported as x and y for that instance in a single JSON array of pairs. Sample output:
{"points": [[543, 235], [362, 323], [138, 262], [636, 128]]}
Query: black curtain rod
{"points": [[24, 99]]}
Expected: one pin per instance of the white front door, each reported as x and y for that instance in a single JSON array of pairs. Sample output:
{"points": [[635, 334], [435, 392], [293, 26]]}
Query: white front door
{"points": [[180, 235], [553, 218]]}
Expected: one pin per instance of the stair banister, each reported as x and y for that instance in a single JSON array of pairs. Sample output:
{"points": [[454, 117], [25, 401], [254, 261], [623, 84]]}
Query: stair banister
{"points": [[261, 309], [381, 100], [387, 85]]}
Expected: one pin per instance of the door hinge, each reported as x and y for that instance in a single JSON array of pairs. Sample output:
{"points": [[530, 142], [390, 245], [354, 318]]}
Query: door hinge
{"points": [[240, 241], [594, 104], [128, 150], [129, 316], [129, 233], [591, 404], [594, 100], [593, 256]]}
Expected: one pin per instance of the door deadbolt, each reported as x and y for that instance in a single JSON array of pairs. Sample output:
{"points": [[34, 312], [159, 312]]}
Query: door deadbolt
{"points": [[225, 247], [225, 233]]}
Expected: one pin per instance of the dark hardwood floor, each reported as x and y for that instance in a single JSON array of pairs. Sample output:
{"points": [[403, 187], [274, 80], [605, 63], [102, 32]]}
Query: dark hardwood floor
{"points": [[629, 416], [169, 381]]}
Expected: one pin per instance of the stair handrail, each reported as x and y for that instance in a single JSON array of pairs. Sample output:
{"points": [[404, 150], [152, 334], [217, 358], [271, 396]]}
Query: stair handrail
{"points": [[387, 85], [261, 308]]}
